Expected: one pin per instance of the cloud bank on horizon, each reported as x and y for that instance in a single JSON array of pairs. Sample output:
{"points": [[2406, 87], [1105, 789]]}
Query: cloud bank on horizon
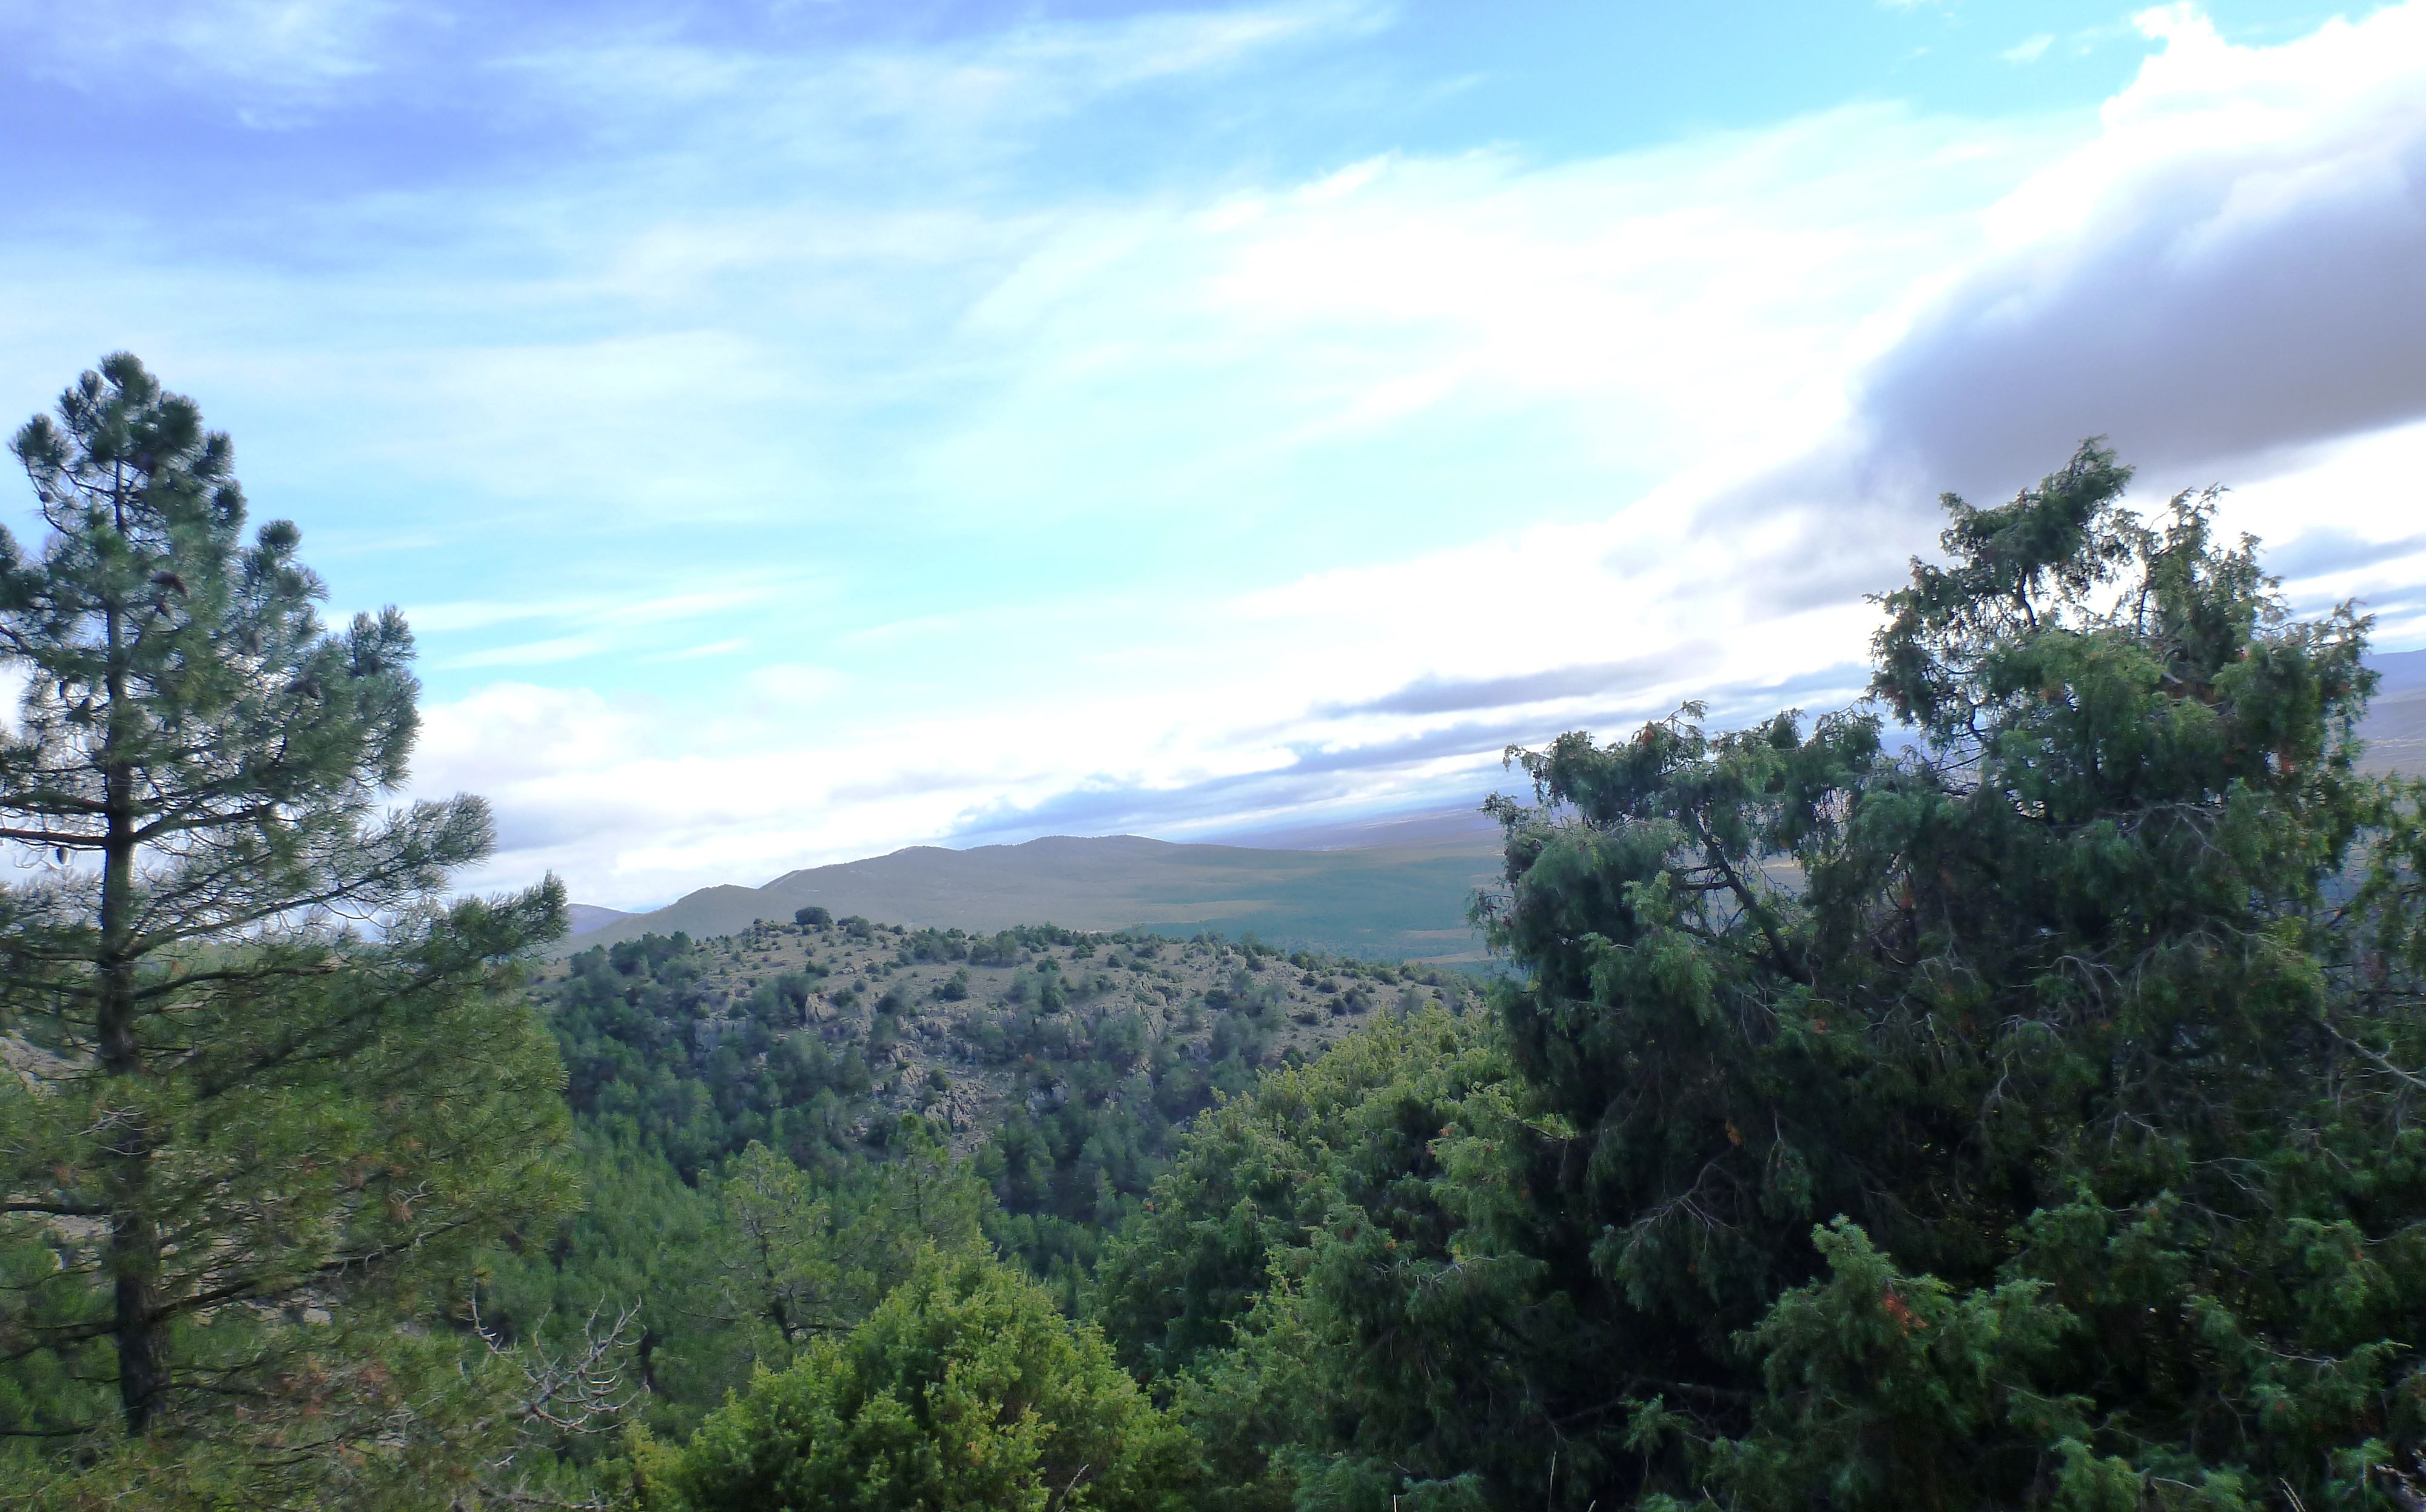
{"points": [[796, 433]]}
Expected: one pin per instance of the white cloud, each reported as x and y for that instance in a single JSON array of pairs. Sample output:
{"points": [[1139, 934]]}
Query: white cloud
{"points": [[513, 733], [2347, 521], [594, 623], [2030, 49], [1649, 310], [794, 684]]}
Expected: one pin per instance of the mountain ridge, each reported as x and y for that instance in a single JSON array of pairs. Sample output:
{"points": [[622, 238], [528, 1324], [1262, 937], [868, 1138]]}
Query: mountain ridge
{"points": [[1394, 887], [1404, 900]]}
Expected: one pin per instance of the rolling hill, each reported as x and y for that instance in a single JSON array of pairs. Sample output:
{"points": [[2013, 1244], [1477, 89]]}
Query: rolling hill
{"points": [[1397, 900], [1394, 889]]}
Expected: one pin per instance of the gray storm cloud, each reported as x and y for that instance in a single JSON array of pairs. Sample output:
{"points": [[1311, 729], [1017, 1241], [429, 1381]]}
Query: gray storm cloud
{"points": [[2215, 294], [2189, 329]]}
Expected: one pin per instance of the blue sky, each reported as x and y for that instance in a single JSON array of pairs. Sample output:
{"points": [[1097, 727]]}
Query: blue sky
{"points": [[798, 429]]}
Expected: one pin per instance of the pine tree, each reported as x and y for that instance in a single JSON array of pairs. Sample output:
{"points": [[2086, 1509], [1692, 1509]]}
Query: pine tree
{"points": [[802, 1259], [266, 1064]]}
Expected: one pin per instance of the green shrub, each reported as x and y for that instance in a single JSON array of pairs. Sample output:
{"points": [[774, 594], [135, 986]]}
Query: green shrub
{"points": [[965, 1390]]}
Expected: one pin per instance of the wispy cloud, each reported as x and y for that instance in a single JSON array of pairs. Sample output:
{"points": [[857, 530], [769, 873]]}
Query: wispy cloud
{"points": [[1431, 694], [692, 653], [599, 621], [528, 653], [959, 102], [280, 55]]}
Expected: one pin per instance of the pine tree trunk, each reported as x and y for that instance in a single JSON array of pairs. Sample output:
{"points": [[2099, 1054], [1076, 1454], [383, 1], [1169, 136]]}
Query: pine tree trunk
{"points": [[133, 1237]]}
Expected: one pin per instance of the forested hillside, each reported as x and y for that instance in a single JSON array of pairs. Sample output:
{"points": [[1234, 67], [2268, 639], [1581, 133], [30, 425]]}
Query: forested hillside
{"points": [[1057, 1066], [2006, 1093], [966, 1030]]}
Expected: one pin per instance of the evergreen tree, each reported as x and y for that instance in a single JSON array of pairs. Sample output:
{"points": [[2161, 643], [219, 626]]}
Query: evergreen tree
{"points": [[2026, 1117], [802, 1259], [1243, 1287], [1259, 1176], [965, 1390], [268, 1071], [2092, 1017]]}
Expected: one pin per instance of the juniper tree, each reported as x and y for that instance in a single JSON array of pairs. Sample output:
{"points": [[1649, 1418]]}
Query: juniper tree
{"points": [[964, 1388], [264, 1062], [2030, 1112], [2091, 1021]]}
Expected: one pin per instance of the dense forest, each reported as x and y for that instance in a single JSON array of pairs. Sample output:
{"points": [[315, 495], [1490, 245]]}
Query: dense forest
{"points": [[2004, 1092]]}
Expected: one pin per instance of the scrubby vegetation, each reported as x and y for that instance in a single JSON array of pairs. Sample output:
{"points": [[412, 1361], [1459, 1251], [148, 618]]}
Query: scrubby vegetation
{"points": [[1056, 1067], [2004, 1094]]}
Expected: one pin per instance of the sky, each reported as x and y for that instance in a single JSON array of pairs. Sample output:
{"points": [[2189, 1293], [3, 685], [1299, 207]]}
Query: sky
{"points": [[799, 429]]}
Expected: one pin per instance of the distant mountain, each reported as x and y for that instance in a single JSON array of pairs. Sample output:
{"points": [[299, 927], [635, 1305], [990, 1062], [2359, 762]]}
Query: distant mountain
{"points": [[2401, 673], [1389, 889], [1404, 900], [588, 917]]}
